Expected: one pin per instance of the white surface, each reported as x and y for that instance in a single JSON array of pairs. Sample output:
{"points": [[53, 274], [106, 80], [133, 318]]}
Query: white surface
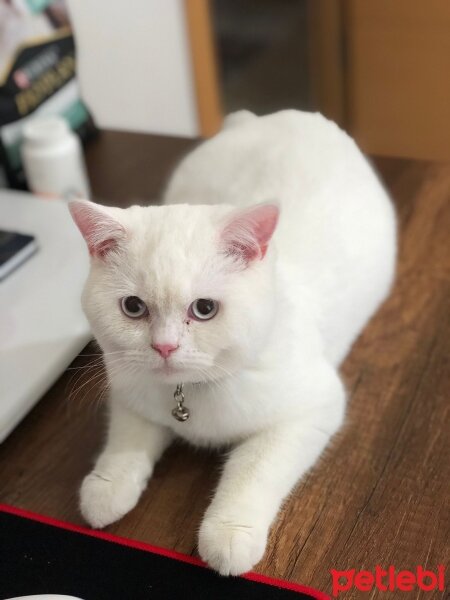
{"points": [[42, 326], [134, 65], [46, 597]]}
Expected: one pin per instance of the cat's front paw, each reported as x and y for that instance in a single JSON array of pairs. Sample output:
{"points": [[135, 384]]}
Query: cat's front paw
{"points": [[105, 498], [231, 546]]}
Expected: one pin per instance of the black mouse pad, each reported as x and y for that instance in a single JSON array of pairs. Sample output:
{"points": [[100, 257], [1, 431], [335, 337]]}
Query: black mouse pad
{"points": [[39, 555]]}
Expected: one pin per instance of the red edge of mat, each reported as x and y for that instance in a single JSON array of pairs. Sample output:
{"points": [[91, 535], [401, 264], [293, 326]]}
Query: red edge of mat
{"points": [[296, 587]]}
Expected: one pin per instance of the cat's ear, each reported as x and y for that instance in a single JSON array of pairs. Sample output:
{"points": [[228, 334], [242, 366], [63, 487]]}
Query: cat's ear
{"points": [[247, 233], [97, 225]]}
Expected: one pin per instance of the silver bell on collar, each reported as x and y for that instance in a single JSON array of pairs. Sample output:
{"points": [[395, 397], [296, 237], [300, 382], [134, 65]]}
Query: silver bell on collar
{"points": [[180, 412]]}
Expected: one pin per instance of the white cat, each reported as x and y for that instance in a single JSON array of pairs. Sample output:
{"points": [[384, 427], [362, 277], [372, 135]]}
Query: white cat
{"points": [[254, 328]]}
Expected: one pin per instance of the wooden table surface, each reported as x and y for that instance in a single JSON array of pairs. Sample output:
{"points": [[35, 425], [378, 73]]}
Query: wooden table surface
{"points": [[378, 496]]}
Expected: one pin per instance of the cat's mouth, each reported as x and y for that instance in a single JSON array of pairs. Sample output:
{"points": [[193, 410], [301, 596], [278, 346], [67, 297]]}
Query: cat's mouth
{"points": [[166, 369], [168, 373]]}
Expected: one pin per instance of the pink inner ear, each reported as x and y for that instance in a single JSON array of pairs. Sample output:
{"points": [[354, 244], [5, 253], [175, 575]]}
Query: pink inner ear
{"points": [[100, 230], [248, 233]]}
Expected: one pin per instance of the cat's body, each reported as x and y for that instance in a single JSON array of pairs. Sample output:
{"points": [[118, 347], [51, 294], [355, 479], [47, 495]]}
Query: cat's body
{"points": [[336, 235], [261, 374]]}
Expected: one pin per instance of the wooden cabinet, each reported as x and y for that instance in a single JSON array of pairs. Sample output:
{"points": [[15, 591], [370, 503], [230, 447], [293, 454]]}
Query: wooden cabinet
{"points": [[382, 68]]}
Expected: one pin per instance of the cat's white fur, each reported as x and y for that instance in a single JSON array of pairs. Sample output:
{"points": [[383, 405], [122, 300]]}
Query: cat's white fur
{"points": [[261, 377]]}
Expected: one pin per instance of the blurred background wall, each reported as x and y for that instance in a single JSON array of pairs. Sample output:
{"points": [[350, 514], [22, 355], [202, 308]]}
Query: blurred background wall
{"points": [[380, 68], [134, 65]]}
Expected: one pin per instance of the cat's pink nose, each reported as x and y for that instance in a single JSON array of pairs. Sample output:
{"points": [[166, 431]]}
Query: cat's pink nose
{"points": [[164, 349]]}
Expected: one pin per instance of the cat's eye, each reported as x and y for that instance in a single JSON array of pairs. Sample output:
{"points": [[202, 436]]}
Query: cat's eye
{"points": [[203, 309], [133, 307]]}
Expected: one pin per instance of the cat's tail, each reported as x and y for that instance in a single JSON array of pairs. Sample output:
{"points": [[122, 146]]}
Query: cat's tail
{"points": [[238, 118]]}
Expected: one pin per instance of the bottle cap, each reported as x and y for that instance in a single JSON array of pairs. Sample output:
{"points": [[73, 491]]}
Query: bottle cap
{"points": [[44, 130]]}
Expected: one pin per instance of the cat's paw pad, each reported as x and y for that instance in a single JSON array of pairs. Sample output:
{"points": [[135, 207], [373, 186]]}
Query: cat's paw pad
{"points": [[231, 547], [105, 499]]}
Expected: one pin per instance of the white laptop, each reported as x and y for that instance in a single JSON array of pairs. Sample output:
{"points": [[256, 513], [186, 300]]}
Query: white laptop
{"points": [[42, 326]]}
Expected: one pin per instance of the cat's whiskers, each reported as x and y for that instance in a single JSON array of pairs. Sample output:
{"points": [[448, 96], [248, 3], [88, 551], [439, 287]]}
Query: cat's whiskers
{"points": [[104, 383], [96, 363], [98, 369], [78, 376], [90, 384], [214, 381]]}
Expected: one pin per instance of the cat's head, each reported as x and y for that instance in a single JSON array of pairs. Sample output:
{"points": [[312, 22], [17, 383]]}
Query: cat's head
{"points": [[183, 292]]}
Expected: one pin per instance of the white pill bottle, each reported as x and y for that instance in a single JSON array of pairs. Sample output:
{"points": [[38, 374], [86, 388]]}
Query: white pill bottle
{"points": [[53, 161]]}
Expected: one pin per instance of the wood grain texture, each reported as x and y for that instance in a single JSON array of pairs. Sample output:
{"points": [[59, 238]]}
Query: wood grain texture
{"points": [[378, 496]]}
